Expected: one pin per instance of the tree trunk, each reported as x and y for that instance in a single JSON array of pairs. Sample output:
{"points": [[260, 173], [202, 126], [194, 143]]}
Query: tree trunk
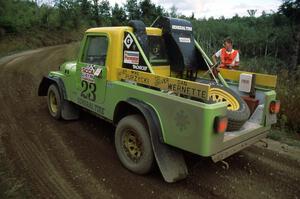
{"points": [[266, 49], [297, 50]]}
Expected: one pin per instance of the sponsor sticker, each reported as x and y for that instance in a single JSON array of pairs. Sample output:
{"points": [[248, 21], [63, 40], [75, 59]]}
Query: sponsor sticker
{"points": [[98, 72], [87, 73], [176, 27], [137, 67], [131, 57], [128, 41], [184, 40]]}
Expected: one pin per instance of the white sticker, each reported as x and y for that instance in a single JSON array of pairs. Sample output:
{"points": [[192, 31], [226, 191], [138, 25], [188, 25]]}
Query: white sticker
{"points": [[245, 82], [184, 40], [175, 27], [131, 57], [98, 72], [87, 73], [128, 41], [137, 67]]}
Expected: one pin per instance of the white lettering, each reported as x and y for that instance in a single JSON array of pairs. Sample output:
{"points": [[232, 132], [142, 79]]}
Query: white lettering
{"points": [[184, 40], [188, 28], [137, 67]]}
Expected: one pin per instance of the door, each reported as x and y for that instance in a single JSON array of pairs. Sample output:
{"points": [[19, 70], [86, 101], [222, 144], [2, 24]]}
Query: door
{"points": [[91, 73]]}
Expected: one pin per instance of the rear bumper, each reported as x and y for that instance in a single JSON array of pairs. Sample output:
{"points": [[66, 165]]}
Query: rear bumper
{"points": [[238, 147]]}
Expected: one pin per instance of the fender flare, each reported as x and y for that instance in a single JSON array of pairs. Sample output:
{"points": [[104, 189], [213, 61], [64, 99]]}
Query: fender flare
{"points": [[169, 159], [150, 116], [47, 81]]}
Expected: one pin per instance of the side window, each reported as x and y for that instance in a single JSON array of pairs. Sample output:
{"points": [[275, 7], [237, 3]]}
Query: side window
{"points": [[157, 51], [95, 50]]}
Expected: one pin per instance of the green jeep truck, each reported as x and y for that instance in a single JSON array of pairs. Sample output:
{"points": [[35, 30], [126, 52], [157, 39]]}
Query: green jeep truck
{"points": [[163, 94]]}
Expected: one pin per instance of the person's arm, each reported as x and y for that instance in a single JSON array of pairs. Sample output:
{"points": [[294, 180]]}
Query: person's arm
{"points": [[214, 59], [215, 56], [237, 59]]}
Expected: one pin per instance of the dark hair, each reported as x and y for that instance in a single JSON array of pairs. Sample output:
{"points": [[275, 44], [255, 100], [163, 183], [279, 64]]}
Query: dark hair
{"points": [[228, 40]]}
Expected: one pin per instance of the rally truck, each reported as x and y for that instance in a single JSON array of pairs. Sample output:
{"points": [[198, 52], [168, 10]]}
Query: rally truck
{"points": [[163, 94]]}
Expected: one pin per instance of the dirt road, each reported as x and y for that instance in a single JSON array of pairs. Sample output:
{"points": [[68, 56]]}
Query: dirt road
{"points": [[77, 159]]}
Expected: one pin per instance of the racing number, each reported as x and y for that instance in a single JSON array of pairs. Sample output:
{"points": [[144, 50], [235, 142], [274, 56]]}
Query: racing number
{"points": [[89, 90]]}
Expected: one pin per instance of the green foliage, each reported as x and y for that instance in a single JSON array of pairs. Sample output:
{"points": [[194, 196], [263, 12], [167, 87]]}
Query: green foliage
{"points": [[291, 9], [253, 37], [118, 15], [132, 9], [17, 16], [25, 15], [288, 91], [148, 12]]}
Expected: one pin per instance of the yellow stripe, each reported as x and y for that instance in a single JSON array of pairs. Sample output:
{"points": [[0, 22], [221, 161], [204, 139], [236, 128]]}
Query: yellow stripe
{"points": [[154, 31], [261, 79], [179, 86]]}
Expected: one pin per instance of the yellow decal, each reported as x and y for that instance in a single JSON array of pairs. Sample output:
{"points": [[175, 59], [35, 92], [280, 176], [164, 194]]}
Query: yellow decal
{"points": [[179, 86]]}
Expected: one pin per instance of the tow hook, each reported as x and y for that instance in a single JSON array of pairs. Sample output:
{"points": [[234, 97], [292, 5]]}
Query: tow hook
{"points": [[265, 143], [225, 165]]}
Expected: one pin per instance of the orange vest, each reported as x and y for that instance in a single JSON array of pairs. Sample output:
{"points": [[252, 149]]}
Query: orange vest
{"points": [[227, 58]]}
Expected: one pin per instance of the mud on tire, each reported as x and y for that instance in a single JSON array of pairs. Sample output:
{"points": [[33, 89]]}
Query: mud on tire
{"points": [[133, 145], [54, 101]]}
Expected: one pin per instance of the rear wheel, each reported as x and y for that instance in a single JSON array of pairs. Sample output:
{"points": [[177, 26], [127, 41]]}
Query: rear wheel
{"points": [[237, 110], [133, 145], [54, 101]]}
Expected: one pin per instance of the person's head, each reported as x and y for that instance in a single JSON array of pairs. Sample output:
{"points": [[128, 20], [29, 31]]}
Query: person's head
{"points": [[227, 43]]}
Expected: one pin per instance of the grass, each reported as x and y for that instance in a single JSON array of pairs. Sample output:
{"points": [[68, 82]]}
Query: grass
{"points": [[285, 136], [288, 90]]}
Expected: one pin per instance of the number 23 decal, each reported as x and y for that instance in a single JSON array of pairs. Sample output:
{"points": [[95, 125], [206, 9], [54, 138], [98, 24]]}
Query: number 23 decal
{"points": [[89, 90]]}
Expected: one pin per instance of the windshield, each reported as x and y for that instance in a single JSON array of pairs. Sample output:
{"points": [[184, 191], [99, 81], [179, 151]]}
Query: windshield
{"points": [[157, 51]]}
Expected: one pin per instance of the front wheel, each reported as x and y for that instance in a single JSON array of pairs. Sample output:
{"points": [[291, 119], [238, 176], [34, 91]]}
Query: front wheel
{"points": [[54, 101], [133, 145]]}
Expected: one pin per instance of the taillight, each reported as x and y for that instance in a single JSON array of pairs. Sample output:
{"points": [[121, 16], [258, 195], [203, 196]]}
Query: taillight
{"points": [[275, 106], [220, 124]]}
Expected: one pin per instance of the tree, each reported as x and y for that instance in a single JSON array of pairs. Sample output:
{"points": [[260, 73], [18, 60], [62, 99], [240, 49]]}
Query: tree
{"points": [[252, 13], [118, 15], [291, 9], [133, 10], [173, 12], [95, 12], [104, 11], [148, 11]]}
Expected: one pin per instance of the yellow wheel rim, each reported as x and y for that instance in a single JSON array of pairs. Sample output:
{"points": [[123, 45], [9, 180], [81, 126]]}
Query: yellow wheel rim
{"points": [[132, 145], [53, 102], [219, 95]]}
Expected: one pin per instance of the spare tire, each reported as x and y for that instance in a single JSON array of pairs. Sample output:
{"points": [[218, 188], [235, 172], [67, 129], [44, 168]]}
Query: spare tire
{"points": [[237, 109]]}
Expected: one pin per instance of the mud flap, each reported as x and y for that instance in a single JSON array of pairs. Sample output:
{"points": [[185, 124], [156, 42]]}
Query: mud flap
{"points": [[69, 111], [169, 160]]}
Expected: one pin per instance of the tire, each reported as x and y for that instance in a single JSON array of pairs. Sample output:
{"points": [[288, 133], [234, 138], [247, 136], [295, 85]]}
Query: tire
{"points": [[54, 102], [133, 144], [237, 112]]}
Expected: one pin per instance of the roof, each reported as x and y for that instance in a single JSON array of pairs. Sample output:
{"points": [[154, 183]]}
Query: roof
{"points": [[149, 30]]}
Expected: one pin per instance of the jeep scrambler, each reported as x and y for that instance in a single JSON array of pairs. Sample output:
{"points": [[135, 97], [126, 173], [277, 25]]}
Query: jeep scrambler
{"points": [[160, 89]]}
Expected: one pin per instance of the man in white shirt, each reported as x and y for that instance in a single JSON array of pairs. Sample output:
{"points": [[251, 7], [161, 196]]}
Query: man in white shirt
{"points": [[229, 57]]}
